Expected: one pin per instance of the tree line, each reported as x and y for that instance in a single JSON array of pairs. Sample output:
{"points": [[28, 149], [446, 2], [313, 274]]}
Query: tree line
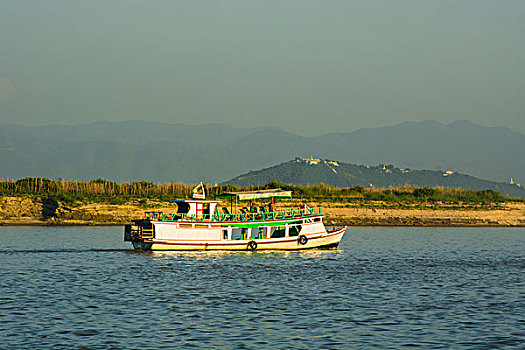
{"points": [[118, 193]]}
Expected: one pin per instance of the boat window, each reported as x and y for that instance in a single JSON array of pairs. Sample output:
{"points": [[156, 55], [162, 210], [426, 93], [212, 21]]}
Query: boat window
{"points": [[183, 208], [294, 231], [185, 225], [236, 233], [201, 226], [225, 234], [317, 219], [278, 232], [258, 232], [206, 208]]}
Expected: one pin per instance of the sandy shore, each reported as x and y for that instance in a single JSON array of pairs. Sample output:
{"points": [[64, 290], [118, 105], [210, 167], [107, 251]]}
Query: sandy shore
{"points": [[35, 211], [510, 215]]}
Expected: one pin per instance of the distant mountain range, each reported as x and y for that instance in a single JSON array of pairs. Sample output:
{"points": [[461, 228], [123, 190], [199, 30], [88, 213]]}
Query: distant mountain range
{"points": [[313, 171], [135, 150]]}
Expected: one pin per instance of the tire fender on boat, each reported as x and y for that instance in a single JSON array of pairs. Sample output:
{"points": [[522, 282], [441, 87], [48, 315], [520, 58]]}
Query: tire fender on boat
{"points": [[302, 239], [252, 245]]}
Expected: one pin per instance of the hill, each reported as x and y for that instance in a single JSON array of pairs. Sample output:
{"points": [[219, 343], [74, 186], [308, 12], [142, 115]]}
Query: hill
{"points": [[315, 171], [136, 150]]}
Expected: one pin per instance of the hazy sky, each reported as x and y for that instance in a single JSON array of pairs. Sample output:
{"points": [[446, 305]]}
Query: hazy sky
{"points": [[308, 66]]}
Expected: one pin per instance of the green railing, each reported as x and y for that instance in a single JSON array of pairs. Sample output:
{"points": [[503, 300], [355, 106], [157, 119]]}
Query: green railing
{"points": [[279, 214]]}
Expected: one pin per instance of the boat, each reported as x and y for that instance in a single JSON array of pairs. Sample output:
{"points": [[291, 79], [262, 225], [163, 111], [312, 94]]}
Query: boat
{"points": [[199, 224]]}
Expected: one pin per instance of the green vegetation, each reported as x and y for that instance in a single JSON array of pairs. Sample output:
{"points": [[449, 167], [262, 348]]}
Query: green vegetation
{"points": [[436, 195], [101, 190], [104, 191], [400, 195]]}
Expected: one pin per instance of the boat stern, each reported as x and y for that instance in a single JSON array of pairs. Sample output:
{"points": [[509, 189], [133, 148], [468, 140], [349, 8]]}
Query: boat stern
{"points": [[141, 234]]}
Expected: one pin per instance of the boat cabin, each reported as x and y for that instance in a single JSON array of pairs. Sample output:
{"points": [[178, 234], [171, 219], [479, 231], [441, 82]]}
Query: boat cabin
{"points": [[196, 208]]}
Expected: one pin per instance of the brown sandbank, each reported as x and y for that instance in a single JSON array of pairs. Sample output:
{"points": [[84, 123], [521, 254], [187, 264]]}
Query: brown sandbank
{"points": [[36, 211]]}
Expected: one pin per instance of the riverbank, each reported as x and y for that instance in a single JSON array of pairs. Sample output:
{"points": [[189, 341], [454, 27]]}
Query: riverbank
{"points": [[507, 215], [37, 211]]}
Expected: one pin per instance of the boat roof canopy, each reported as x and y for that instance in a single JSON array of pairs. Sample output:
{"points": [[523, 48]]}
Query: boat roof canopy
{"points": [[193, 201], [249, 195]]}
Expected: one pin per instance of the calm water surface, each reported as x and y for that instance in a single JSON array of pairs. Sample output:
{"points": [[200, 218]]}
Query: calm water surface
{"points": [[82, 288]]}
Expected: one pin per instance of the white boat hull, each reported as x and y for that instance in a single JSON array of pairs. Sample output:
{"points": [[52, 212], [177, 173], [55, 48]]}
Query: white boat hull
{"points": [[313, 241]]}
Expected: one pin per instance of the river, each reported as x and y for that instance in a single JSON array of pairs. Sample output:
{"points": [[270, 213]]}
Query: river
{"points": [[389, 288]]}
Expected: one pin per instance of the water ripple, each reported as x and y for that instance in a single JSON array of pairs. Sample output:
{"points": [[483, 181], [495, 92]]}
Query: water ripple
{"points": [[83, 288]]}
